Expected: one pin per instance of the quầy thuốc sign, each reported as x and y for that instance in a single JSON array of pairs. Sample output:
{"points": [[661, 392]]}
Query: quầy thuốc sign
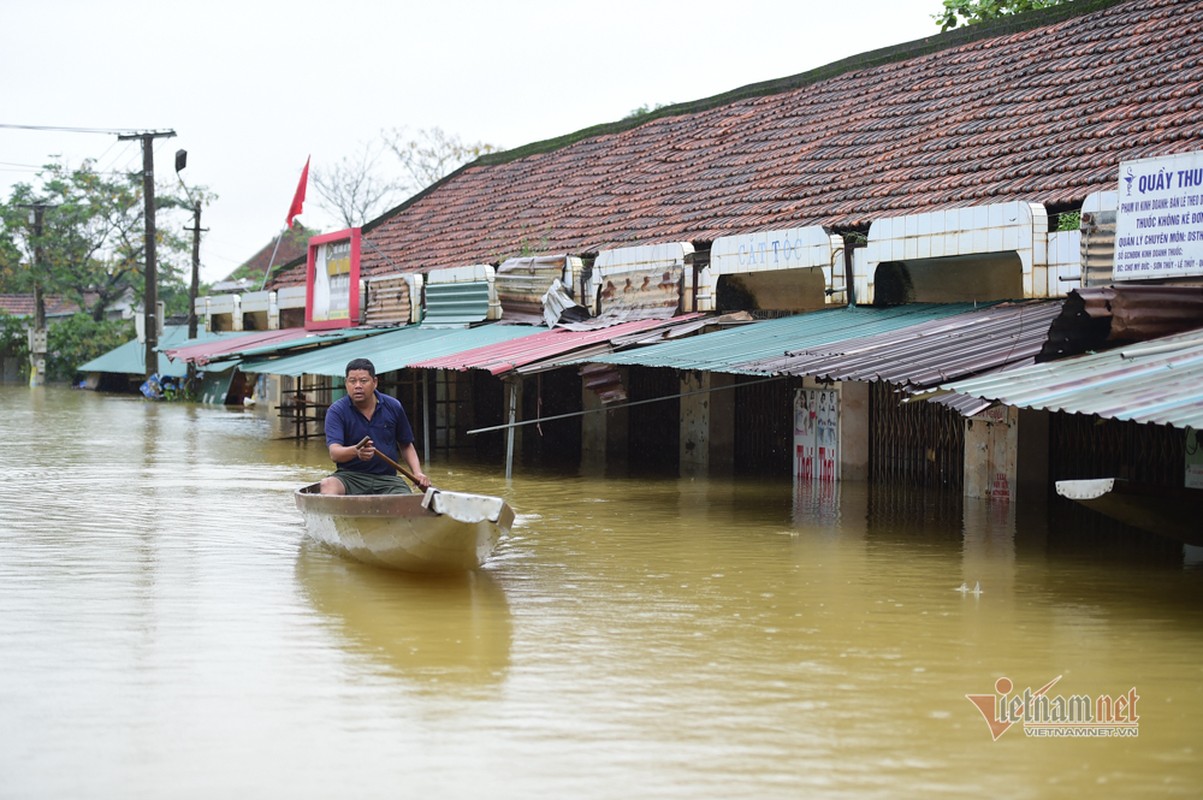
{"points": [[1159, 222]]}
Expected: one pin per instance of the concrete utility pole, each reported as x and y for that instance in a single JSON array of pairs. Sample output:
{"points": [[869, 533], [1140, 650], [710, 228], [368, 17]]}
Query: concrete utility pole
{"points": [[181, 161], [151, 294], [38, 344], [194, 287]]}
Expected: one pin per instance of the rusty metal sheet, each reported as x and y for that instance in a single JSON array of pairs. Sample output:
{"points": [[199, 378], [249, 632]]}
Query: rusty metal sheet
{"points": [[522, 282], [389, 301], [1100, 317]]}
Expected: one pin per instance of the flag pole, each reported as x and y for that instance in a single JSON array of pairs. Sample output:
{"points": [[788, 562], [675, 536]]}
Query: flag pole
{"points": [[298, 200], [267, 272]]}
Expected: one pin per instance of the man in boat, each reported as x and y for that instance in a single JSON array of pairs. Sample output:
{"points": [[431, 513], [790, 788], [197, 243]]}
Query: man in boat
{"points": [[360, 423]]}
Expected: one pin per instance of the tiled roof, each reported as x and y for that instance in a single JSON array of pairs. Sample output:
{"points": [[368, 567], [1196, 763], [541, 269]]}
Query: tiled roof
{"points": [[991, 114], [22, 305], [294, 245]]}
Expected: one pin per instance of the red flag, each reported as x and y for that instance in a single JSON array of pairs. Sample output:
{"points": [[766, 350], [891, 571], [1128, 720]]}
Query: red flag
{"points": [[298, 199]]}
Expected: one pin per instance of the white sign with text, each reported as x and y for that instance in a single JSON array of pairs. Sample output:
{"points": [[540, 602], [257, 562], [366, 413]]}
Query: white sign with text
{"points": [[1159, 223]]}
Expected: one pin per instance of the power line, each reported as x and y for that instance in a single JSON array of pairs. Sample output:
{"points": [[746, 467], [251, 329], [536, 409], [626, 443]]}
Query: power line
{"points": [[35, 168], [64, 129], [122, 134], [110, 153], [116, 150]]}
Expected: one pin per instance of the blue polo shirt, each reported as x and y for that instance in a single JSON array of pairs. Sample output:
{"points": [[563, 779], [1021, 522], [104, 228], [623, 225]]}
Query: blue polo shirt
{"points": [[389, 429]]}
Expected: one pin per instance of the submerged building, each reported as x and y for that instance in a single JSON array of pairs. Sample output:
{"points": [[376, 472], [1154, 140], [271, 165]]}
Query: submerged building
{"points": [[771, 280]]}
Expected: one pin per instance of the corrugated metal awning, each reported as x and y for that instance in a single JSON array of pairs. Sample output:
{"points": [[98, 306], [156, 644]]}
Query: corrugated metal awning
{"points": [[325, 338], [1159, 381], [738, 349], [543, 344], [930, 352], [391, 351], [234, 345], [130, 358]]}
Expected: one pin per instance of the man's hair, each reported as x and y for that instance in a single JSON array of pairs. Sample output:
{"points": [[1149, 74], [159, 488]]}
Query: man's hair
{"points": [[360, 363]]}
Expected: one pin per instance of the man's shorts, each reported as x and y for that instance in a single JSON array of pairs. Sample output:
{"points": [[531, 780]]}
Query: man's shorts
{"points": [[369, 483]]}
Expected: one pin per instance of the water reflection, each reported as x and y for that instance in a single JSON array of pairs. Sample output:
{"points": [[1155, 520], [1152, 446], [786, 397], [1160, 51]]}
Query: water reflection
{"points": [[436, 631]]}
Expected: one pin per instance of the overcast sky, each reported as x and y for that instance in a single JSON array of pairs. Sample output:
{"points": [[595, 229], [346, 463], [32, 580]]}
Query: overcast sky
{"points": [[253, 88]]}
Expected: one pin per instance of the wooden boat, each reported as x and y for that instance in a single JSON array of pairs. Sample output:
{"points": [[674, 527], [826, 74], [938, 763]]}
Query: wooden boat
{"points": [[438, 531], [1177, 513]]}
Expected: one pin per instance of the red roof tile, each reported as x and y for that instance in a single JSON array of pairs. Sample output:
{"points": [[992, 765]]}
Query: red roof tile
{"points": [[293, 245], [22, 305], [985, 115]]}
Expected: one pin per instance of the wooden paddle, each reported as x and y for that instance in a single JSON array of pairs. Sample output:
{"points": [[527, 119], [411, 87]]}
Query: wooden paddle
{"points": [[392, 464], [471, 509]]}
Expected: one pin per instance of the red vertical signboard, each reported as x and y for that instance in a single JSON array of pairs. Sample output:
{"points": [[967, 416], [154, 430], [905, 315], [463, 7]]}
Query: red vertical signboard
{"points": [[332, 281]]}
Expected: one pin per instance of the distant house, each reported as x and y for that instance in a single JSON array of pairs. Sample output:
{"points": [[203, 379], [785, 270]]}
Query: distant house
{"points": [[22, 305], [58, 307], [249, 277]]}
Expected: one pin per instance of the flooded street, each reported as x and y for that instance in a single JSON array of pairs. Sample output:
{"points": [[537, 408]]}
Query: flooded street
{"points": [[166, 629]]}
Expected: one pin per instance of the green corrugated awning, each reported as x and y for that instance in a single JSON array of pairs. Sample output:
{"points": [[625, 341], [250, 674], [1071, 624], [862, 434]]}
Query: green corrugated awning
{"points": [[733, 349], [390, 351], [130, 358]]}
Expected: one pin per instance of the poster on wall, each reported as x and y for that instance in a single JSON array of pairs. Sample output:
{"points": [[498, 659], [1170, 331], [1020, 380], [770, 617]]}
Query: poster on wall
{"points": [[332, 280], [1194, 459], [816, 435], [1159, 222]]}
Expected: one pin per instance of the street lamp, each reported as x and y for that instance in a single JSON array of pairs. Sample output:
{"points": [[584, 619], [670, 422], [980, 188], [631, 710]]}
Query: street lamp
{"points": [[37, 334]]}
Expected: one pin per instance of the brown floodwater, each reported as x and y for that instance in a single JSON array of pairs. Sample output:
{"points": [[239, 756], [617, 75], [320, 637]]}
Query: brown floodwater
{"points": [[166, 629]]}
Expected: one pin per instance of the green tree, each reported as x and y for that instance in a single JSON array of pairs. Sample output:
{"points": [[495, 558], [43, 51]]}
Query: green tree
{"points": [[92, 240], [71, 342], [14, 339], [971, 12], [79, 339], [644, 110]]}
